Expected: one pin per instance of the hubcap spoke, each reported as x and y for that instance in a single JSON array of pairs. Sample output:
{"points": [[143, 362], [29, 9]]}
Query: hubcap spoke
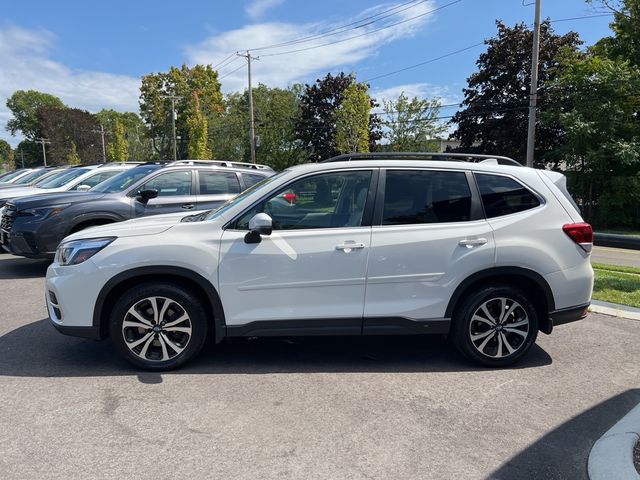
{"points": [[519, 323], [175, 347], [515, 330], [134, 344], [503, 306], [475, 338], [130, 324], [186, 330], [132, 311], [506, 343], [154, 305], [163, 345], [499, 353], [143, 352], [486, 340], [176, 322], [477, 318], [486, 312]]}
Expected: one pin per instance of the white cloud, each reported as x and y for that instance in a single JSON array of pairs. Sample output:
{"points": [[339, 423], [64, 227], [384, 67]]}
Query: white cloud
{"points": [[282, 70], [421, 90], [26, 65], [257, 8]]}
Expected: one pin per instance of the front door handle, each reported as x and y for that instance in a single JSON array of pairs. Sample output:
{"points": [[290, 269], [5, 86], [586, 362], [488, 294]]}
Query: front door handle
{"points": [[188, 206], [472, 242], [348, 246]]}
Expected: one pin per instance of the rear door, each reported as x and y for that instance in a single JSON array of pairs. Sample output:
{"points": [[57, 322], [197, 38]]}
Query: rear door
{"points": [[428, 235], [176, 193], [216, 187]]}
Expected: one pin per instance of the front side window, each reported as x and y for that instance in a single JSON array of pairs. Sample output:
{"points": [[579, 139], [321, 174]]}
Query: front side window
{"points": [[425, 196], [329, 200], [94, 180], [170, 184], [62, 179], [218, 183], [503, 195]]}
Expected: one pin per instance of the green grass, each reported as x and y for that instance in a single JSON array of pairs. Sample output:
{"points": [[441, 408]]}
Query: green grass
{"points": [[617, 284]]}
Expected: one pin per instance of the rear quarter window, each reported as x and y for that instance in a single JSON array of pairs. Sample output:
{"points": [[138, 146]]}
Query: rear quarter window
{"points": [[504, 195]]}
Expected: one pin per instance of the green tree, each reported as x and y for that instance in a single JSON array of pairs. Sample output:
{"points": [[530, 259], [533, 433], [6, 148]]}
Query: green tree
{"points": [[118, 147], [135, 132], [24, 106], [29, 152], [276, 111], [155, 104], [6, 156], [67, 126], [352, 119], [412, 124], [598, 111], [495, 112], [72, 157], [625, 43], [198, 131], [316, 127]]}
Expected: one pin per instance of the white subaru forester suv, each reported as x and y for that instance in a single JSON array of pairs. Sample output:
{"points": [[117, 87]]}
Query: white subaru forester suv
{"points": [[478, 248]]}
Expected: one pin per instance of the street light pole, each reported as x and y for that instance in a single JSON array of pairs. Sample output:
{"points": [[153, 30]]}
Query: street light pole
{"points": [[533, 92], [43, 142], [252, 132]]}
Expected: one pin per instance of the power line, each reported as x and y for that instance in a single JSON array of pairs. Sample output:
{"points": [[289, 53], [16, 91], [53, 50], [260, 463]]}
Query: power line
{"points": [[232, 71], [222, 61], [359, 24], [364, 34]]}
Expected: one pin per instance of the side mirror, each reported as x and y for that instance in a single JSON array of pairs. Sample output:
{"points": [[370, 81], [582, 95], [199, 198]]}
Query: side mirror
{"points": [[260, 224], [145, 195], [83, 188]]}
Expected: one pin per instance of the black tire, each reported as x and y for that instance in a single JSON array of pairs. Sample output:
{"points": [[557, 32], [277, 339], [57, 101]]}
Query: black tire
{"points": [[162, 344], [494, 338]]}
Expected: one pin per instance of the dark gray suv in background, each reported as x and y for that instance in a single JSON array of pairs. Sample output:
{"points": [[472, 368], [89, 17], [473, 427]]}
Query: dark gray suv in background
{"points": [[34, 226]]}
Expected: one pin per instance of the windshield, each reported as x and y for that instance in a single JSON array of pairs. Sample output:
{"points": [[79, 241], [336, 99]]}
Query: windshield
{"points": [[30, 177], [62, 179], [12, 175], [235, 200], [119, 182]]}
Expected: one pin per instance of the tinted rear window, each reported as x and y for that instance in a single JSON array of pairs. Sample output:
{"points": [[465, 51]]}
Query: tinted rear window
{"points": [[503, 195], [218, 183], [424, 196]]}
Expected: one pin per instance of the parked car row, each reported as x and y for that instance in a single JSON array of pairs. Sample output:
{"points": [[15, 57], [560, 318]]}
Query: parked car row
{"points": [[35, 218]]}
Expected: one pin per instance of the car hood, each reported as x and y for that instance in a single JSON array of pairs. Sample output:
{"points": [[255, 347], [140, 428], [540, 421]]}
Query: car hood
{"points": [[44, 199], [8, 193], [140, 226]]}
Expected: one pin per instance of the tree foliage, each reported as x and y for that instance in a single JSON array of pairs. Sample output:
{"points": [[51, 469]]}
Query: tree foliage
{"points": [[155, 104], [352, 119], [316, 126], [198, 131], [72, 157], [412, 124], [24, 106], [66, 127], [495, 102], [134, 132], [6, 156], [118, 147], [624, 44]]}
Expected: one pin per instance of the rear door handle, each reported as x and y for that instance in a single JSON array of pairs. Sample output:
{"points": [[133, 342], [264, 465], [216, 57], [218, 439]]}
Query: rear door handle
{"points": [[472, 242], [348, 246], [188, 206]]}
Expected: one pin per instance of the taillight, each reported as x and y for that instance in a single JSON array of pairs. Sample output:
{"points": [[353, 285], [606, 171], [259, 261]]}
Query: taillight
{"points": [[290, 197], [581, 233]]}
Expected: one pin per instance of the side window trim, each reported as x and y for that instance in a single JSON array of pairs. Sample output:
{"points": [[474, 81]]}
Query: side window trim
{"points": [[368, 208], [133, 190], [197, 183], [531, 190], [477, 213]]}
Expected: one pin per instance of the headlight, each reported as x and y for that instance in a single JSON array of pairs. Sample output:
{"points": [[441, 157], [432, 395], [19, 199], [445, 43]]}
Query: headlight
{"points": [[77, 251], [44, 212]]}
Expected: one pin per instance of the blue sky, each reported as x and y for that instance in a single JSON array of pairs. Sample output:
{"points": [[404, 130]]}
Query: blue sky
{"points": [[92, 54]]}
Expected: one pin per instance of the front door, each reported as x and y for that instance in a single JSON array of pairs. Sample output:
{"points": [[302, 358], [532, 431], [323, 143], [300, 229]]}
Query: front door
{"points": [[310, 272], [175, 194]]}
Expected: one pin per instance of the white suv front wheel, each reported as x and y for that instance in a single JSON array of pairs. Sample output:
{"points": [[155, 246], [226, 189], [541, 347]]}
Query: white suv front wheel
{"points": [[158, 326], [495, 326]]}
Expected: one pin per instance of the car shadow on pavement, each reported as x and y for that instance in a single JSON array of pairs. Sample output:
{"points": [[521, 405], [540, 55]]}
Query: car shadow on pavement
{"points": [[37, 350], [563, 452], [14, 268]]}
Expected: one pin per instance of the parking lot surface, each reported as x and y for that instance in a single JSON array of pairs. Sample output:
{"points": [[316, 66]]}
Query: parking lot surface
{"points": [[321, 408]]}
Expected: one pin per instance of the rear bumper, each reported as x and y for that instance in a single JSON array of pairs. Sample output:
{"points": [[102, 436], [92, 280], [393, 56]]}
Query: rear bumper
{"points": [[568, 315]]}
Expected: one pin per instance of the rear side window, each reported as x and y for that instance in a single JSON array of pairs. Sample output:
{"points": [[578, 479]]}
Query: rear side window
{"points": [[424, 196], [503, 195], [218, 183], [250, 179]]}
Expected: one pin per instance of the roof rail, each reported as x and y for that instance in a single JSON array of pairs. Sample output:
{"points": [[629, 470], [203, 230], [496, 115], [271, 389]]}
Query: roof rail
{"points": [[439, 156], [111, 164], [222, 163]]}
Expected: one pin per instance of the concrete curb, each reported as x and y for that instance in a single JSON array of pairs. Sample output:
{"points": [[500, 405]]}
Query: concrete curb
{"points": [[612, 455], [621, 311]]}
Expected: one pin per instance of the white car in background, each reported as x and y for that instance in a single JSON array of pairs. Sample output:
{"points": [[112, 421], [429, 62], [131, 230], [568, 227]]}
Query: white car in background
{"points": [[486, 251]]}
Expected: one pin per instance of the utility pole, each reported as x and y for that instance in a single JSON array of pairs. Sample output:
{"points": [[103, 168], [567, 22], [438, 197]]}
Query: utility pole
{"points": [[43, 142], [533, 92], [173, 125], [22, 157], [252, 132], [104, 153]]}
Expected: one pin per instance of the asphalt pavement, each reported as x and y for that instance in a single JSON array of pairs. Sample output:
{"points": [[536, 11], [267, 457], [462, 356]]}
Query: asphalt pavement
{"points": [[616, 256], [318, 408]]}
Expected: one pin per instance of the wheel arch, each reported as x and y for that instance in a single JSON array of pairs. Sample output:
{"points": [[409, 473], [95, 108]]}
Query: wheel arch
{"points": [[88, 220], [181, 276], [527, 280]]}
